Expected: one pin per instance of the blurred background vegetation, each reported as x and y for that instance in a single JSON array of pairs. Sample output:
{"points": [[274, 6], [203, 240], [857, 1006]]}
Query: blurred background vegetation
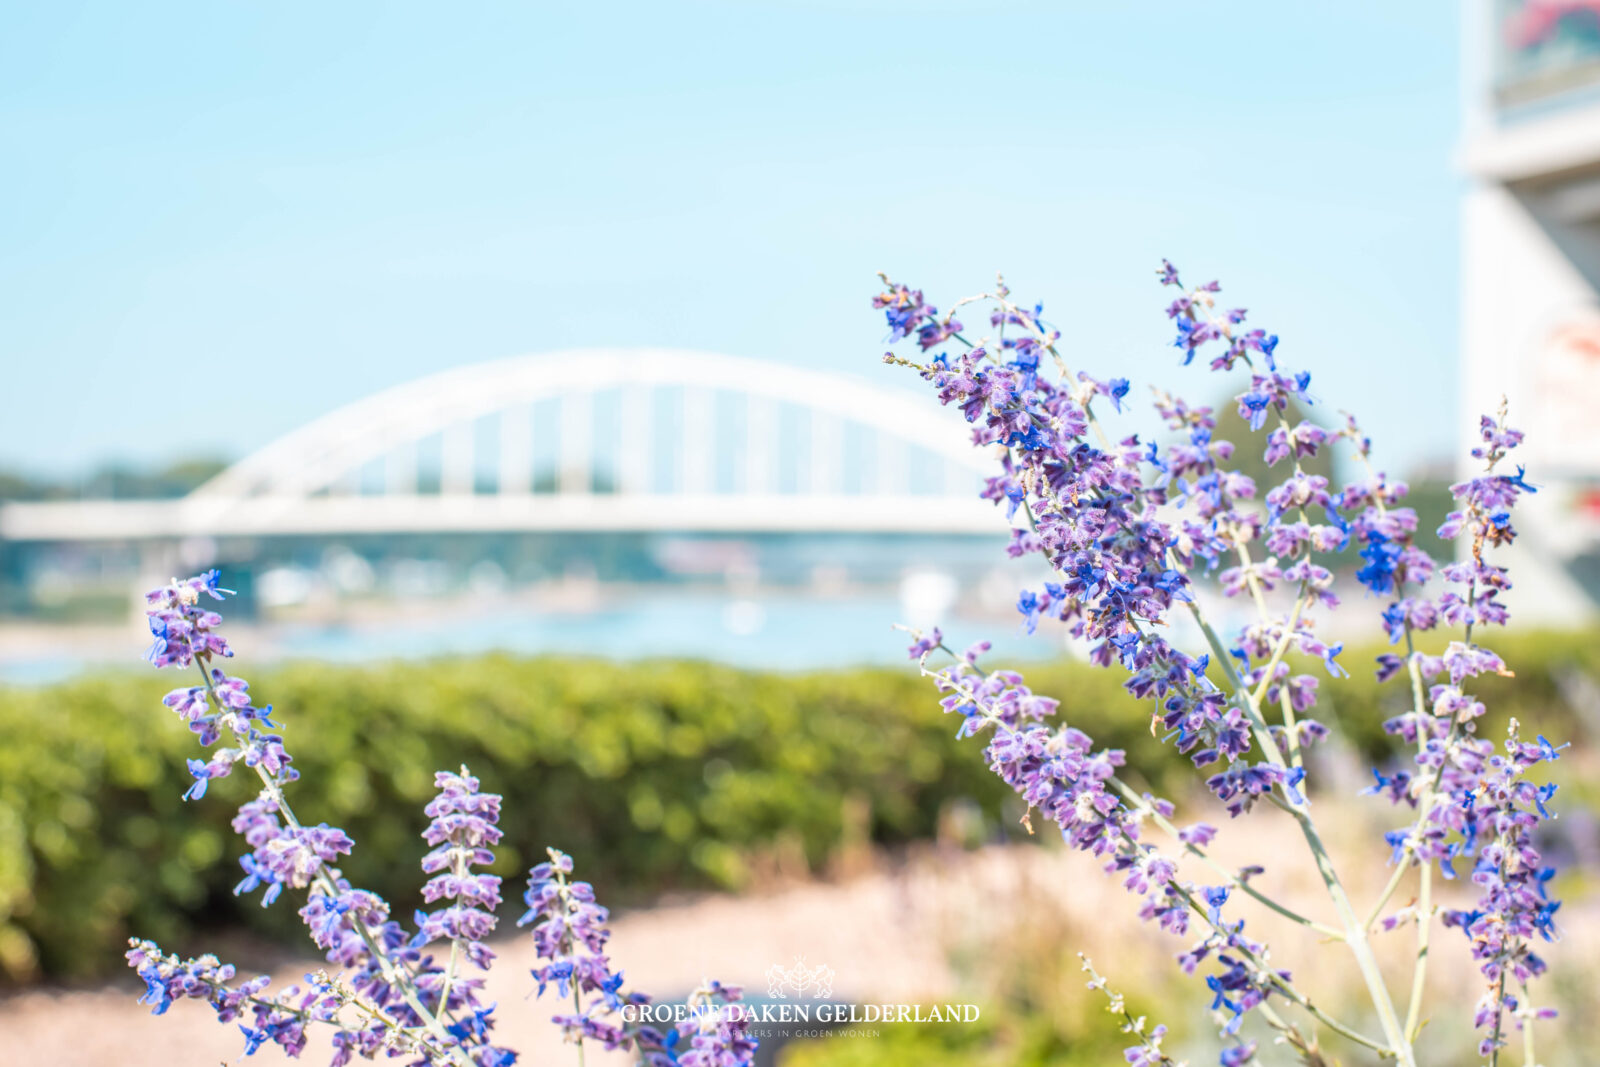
{"points": [[660, 776]]}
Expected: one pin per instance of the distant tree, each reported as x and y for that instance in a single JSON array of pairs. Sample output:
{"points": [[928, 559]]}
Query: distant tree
{"points": [[1430, 485], [15, 486], [116, 481], [1430, 498], [1250, 446]]}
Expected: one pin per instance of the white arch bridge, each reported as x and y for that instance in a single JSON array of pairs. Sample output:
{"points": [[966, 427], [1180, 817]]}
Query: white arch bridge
{"points": [[585, 440]]}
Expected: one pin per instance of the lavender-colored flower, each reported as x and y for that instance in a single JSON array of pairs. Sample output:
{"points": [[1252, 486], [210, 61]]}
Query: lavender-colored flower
{"points": [[388, 997], [182, 628], [1128, 526], [462, 833], [280, 1019], [922, 644], [570, 933], [716, 1033]]}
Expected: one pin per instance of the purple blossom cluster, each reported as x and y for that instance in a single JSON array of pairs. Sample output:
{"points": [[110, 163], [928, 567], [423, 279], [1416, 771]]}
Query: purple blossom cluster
{"points": [[570, 932], [716, 1032], [1499, 812], [462, 834], [1098, 522], [1472, 804], [385, 992], [1057, 772], [183, 627], [1128, 526]]}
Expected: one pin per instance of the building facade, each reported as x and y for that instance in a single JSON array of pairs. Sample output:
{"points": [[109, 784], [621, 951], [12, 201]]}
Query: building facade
{"points": [[1530, 308]]}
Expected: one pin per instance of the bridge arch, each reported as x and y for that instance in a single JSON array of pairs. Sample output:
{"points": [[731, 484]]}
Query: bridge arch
{"points": [[311, 469], [306, 481], [313, 459]]}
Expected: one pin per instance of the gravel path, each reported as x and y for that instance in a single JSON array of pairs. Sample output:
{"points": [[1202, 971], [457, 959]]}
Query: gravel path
{"points": [[889, 934], [883, 933]]}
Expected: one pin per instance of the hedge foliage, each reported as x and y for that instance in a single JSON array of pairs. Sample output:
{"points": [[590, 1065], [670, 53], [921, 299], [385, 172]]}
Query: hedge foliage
{"points": [[655, 775]]}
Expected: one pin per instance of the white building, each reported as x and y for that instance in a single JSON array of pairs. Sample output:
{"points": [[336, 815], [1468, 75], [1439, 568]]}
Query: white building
{"points": [[1530, 318]]}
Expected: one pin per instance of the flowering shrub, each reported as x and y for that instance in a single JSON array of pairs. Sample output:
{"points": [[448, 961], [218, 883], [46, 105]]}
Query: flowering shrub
{"points": [[388, 991], [1128, 526]]}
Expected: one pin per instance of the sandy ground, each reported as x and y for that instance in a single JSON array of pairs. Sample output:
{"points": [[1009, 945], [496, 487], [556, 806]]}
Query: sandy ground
{"points": [[882, 933], [889, 933]]}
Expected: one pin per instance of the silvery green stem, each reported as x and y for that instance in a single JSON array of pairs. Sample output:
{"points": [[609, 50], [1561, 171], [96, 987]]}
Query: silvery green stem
{"points": [[1419, 971], [1355, 934], [1188, 898], [1400, 868], [1234, 880], [1284, 986], [1424, 915], [577, 994]]}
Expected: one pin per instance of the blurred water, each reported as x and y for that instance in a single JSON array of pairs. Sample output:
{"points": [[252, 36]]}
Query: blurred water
{"points": [[777, 631], [787, 633]]}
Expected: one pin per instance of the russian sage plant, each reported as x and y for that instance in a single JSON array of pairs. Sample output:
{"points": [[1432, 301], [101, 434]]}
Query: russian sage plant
{"points": [[1128, 526], [388, 989]]}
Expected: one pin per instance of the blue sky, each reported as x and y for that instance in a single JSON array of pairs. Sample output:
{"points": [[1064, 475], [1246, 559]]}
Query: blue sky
{"points": [[218, 221]]}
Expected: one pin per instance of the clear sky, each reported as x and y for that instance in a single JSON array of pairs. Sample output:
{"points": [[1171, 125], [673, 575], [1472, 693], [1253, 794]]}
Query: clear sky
{"points": [[219, 220]]}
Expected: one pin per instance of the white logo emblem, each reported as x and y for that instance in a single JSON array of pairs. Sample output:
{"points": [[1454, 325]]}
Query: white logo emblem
{"points": [[799, 981]]}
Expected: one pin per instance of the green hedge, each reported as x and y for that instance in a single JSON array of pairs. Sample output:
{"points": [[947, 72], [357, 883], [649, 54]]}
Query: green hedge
{"points": [[656, 775]]}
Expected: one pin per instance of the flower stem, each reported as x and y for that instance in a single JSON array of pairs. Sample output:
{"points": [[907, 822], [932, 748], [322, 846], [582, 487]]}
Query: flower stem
{"points": [[397, 978], [1400, 868], [1286, 988], [1234, 880], [1355, 935], [1419, 972]]}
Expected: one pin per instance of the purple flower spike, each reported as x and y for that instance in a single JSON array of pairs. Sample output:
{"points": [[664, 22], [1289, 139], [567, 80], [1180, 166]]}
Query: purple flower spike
{"points": [[462, 832], [389, 996], [1129, 527]]}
